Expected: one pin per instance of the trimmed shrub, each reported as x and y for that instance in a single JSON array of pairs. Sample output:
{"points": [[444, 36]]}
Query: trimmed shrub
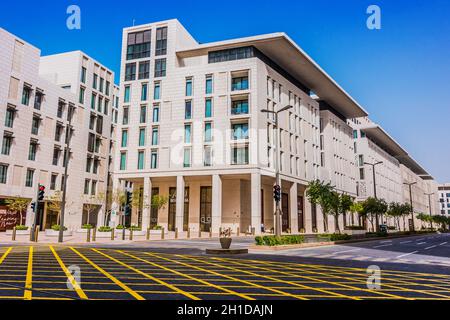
{"points": [[157, 228], [87, 226], [120, 227], [136, 228], [355, 228], [104, 229], [272, 241], [334, 237], [56, 228], [21, 228]]}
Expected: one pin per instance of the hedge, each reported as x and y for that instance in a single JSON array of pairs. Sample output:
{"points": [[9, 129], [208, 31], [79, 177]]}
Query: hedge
{"points": [[334, 236], [279, 241]]}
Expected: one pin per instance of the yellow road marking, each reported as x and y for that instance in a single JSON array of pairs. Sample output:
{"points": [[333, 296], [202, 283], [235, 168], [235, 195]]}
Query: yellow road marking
{"points": [[255, 275], [70, 277], [352, 288], [29, 279], [302, 284], [174, 288], [3, 257], [196, 279], [109, 276]]}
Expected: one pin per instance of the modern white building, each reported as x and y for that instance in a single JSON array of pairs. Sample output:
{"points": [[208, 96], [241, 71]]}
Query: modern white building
{"points": [[40, 98], [444, 198], [191, 128]]}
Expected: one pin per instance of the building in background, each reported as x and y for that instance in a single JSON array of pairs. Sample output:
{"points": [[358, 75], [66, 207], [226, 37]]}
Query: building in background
{"points": [[444, 198], [40, 98]]}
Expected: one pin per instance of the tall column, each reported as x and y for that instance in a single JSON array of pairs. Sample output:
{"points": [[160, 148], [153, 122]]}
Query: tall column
{"points": [[216, 214], [116, 187], [255, 192], [147, 203], [307, 215], [293, 216], [179, 216]]}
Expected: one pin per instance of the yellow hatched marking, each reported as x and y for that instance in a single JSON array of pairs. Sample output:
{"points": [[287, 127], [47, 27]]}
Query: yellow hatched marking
{"points": [[70, 277], [29, 279], [109, 276], [255, 275], [174, 288], [193, 278], [3, 257], [348, 287]]}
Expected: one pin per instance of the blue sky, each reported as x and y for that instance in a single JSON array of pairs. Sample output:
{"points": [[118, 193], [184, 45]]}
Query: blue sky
{"points": [[400, 74]]}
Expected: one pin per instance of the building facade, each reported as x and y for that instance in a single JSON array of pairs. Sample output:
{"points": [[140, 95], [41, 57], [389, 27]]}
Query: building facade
{"points": [[191, 128], [444, 198], [41, 98]]}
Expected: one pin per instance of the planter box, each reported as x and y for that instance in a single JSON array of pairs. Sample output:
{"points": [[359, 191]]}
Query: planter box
{"points": [[355, 232], [18, 232], [53, 233], [84, 231], [104, 235], [127, 233]]}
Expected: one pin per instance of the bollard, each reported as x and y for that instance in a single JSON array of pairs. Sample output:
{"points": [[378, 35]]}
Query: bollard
{"points": [[31, 234], [162, 234], [238, 232], [14, 234], [94, 234], [176, 233], [189, 233], [200, 233], [253, 231], [210, 232], [112, 234], [148, 234], [131, 234], [88, 235], [36, 234]]}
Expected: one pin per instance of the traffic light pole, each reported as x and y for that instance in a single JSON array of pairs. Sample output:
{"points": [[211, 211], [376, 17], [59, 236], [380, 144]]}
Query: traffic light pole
{"points": [[278, 210], [36, 211]]}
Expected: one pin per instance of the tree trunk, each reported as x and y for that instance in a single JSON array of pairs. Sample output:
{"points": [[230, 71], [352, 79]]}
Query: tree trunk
{"points": [[325, 222], [336, 223]]}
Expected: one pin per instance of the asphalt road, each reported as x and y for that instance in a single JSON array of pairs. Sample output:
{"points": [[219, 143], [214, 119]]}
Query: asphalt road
{"points": [[137, 272]]}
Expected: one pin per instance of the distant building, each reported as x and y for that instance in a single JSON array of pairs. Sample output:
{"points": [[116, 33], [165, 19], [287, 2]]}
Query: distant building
{"points": [[444, 198]]}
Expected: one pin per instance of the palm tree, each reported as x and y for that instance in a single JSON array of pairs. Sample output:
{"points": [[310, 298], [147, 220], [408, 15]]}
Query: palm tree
{"points": [[320, 193], [357, 208], [372, 208]]}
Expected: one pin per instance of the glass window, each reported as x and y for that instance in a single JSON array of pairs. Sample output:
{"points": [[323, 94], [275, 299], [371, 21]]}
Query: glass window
{"points": [[240, 131], [6, 146], [32, 151], [160, 68], [187, 158], [155, 113], [138, 45], [230, 54], [108, 84], [143, 114], [239, 107], [56, 156], [142, 137], [239, 155], [29, 178], [125, 119], [187, 133], [161, 41], [126, 95], [188, 110], [87, 184], [35, 124], [38, 100], [26, 93], [81, 97], [208, 108], [141, 160], [144, 70], [95, 81], [361, 174], [3, 173], [239, 83], [9, 118], [123, 161], [188, 87], [209, 84], [102, 83], [60, 111], [53, 181], [144, 92], [154, 159], [157, 91], [93, 100], [124, 143], [207, 155], [130, 71], [355, 134], [88, 164], [83, 74], [208, 132], [155, 136]]}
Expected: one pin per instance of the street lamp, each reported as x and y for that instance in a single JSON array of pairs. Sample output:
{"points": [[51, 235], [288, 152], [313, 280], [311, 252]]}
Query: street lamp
{"points": [[429, 204], [375, 186], [278, 212], [410, 184]]}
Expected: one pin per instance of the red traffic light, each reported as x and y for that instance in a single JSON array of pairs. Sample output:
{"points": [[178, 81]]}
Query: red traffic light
{"points": [[41, 188]]}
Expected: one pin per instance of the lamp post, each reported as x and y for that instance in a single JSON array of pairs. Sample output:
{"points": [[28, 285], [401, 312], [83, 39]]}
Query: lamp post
{"points": [[429, 205], [278, 211], [373, 165], [410, 184], [66, 165]]}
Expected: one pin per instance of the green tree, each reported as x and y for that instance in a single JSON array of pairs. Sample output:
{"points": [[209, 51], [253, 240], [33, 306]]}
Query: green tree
{"points": [[321, 193], [441, 220], [395, 212], [405, 210], [372, 208], [357, 208], [93, 203], [18, 206]]}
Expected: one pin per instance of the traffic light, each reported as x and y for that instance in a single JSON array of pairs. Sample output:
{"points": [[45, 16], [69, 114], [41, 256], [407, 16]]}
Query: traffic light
{"points": [[128, 204], [277, 193], [41, 193], [33, 206]]}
